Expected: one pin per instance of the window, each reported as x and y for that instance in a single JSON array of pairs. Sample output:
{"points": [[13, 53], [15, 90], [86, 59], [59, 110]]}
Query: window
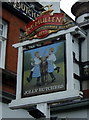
{"points": [[3, 39], [1, 28], [0, 49], [21, 34]]}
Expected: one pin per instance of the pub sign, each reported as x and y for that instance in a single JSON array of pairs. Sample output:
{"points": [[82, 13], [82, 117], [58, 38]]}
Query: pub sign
{"points": [[44, 69]]}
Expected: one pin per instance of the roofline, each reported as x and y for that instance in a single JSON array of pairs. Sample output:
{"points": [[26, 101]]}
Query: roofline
{"points": [[76, 6], [70, 105]]}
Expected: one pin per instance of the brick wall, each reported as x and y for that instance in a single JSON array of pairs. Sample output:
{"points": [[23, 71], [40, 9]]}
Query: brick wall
{"points": [[14, 26]]}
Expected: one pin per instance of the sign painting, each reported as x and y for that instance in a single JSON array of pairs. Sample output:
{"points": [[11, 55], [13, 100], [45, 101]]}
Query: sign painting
{"points": [[44, 70]]}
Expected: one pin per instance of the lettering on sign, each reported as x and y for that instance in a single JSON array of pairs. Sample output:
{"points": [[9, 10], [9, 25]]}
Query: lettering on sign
{"points": [[25, 9], [45, 25]]}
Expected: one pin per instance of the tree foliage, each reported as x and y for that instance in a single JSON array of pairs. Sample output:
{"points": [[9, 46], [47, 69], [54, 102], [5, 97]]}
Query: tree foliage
{"points": [[27, 61], [60, 53]]}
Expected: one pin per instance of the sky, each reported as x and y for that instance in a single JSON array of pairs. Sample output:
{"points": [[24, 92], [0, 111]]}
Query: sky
{"points": [[43, 51], [66, 7]]}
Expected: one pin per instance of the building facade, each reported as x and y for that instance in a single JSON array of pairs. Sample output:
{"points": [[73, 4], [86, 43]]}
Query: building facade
{"points": [[79, 109], [83, 21], [71, 102], [14, 17]]}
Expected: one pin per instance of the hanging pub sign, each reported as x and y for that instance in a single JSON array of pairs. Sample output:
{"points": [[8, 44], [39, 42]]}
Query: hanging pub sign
{"points": [[44, 69]]}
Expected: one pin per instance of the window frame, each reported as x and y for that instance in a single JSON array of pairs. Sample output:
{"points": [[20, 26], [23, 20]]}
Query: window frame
{"points": [[3, 40]]}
